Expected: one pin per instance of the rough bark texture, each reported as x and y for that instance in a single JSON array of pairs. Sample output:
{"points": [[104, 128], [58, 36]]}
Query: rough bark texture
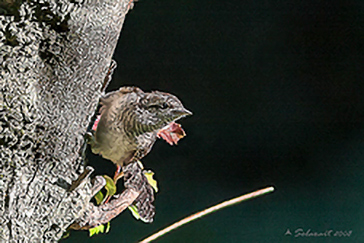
{"points": [[54, 56]]}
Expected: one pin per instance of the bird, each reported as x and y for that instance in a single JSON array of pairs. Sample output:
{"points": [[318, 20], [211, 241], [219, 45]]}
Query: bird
{"points": [[130, 122]]}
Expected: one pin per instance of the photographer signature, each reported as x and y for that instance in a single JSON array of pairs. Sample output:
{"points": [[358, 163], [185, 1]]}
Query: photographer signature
{"points": [[300, 232]]}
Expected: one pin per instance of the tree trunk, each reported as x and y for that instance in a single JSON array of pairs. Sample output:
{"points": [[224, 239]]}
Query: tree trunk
{"points": [[54, 57]]}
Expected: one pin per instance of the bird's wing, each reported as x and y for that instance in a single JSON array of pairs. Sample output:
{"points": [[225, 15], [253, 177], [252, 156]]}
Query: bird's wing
{"points": [[118, 94], [109, 97]]}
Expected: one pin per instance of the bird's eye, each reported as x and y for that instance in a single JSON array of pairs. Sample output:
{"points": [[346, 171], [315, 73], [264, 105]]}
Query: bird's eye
{"points": [[153, 107], [165, 105], [159, 106]]}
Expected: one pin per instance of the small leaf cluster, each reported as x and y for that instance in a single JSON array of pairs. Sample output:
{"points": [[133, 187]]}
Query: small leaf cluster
{"points": [[110, 191]]}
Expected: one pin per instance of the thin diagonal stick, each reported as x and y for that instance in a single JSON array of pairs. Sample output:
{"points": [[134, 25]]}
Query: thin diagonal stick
{"points": [[208, 211]]}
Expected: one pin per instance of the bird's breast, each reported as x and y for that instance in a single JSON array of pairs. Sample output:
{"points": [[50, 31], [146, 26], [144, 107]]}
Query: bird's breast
{"points": [[116, 147]]}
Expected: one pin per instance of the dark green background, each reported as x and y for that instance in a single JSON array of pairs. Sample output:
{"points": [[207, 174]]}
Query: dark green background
{"points": [[277, 92]]}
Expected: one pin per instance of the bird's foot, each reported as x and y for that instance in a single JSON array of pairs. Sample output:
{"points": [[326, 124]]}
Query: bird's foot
{"points": [[118, 174]]}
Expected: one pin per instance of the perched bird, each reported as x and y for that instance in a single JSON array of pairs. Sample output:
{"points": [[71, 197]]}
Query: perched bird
{"points": [[131, 120]]}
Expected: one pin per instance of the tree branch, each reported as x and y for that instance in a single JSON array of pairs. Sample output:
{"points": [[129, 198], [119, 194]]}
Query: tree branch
{"points": [[207, 211]]}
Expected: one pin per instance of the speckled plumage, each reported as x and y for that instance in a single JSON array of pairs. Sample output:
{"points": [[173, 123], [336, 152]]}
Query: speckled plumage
{"points": [[129, 122]]}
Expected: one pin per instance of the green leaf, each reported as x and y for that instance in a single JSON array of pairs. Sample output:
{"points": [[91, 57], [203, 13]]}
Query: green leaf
{"points": [[66, 234], [96, 230], [107, 228], [149, 175], [134, 211], [99, 197], [110, 186]]}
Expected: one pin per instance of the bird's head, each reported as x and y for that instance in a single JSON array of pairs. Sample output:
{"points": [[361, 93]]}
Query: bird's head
{"points": [[159, 109]]}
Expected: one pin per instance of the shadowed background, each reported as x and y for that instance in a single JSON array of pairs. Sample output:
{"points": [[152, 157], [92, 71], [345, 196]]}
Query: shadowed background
{"points": [[278, 99]]}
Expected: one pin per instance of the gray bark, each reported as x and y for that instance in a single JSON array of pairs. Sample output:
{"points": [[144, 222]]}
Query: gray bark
{"points": [[54, 56]]}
